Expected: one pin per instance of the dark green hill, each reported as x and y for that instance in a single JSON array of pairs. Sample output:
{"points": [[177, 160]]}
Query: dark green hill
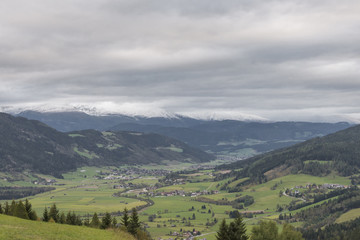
{"points": [[338, 152], [134, 148], [29, 144]]}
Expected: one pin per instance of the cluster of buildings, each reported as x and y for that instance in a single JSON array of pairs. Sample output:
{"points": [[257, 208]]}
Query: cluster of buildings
{"points": [[46, 182], [186, 235], [323, 186], [152, 193], [295, 192]]}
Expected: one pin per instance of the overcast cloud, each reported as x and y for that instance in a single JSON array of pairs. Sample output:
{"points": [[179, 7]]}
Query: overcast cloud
{"points": [[275, 60]]}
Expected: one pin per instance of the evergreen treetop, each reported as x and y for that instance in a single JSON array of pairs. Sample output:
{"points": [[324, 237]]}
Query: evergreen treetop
{"points": [[125, 218], [106, 221], [95, 222], [54, 213], [134, 223], [20, 211], [46, 215]]}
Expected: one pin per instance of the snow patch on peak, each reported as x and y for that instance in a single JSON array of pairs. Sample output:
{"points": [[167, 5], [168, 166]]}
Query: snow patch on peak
{"points": [[129, 109], [147, 110], [224, 115], [134, 109]]}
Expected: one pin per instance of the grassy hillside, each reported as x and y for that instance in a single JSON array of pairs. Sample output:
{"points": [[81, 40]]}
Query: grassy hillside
{"points": [[16, 228]]}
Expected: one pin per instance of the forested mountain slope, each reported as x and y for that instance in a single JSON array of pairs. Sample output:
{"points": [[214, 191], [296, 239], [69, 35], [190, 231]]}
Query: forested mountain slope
{"points": [[32, 145], [338, 152]]}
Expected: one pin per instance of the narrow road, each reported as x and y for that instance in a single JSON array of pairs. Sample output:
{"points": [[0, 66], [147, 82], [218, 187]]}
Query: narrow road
{"points": [[210, 186], [294, 197]]}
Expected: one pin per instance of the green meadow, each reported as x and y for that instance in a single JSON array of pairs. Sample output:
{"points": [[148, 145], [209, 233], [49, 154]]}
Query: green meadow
{"points": [[12, 228], [348, 216], [83, 200]]}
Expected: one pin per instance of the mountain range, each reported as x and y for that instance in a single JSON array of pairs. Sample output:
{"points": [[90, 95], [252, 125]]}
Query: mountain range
{"points": [[32, 145], [239, 139]]}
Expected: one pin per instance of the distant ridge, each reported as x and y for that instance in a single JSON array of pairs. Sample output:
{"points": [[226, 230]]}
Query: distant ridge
{"points": [[29, 144], [75, 120], [240, 139]]}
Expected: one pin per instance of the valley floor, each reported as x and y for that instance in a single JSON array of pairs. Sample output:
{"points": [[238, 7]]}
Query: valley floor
{"points": [[191, 202]]}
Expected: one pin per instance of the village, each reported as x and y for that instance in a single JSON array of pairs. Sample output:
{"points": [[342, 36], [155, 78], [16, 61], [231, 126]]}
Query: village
{"points": [[320, 188]]}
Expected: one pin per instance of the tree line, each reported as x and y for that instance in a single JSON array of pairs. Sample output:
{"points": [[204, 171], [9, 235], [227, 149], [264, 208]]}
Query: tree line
{"points": [[19, 209], [129, 221], [8, 193], [346, 231], [266, 230]]}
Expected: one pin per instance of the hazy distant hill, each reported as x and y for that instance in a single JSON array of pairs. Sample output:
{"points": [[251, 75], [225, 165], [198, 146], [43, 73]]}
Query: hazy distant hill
{"points": [[29, 144], [230, 138], [75, 121], [338, 152], [238, 138]]}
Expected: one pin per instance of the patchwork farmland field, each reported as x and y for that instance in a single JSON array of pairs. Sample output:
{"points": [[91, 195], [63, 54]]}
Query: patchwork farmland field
{"points": [[177, 206]]}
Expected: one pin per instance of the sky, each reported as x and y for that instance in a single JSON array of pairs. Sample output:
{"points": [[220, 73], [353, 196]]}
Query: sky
{"points": [[253, 60]]}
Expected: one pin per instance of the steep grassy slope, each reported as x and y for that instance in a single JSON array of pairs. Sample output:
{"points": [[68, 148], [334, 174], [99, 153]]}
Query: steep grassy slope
{"points": [[16, 228], [28, 144], [339, 152]]}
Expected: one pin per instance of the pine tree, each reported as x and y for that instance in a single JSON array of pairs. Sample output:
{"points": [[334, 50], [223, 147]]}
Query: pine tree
{"points": [[237, 230], [20, 211], [125, 218], [31, 213], [222, 234], [12, 208], [1, 209], [134, 223], [72, 219], [46, 215], [114, 222], [54, 213], [106, 221], [78, 220], [95, 222], [68, 219], [62, 218], [7, 208]]}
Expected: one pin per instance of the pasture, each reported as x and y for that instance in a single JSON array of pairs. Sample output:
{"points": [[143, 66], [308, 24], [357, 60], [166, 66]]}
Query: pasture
{"points": [[20, 229]]}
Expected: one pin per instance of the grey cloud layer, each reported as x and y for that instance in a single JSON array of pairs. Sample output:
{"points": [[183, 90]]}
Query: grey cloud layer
{"points": [[277, 59]]}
